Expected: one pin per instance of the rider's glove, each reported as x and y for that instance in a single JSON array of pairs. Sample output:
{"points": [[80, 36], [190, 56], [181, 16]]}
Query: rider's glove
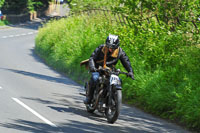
{"points": [[130, 74]]}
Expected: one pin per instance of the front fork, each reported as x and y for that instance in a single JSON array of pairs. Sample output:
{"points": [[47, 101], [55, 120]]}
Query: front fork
{"points": [[110, 95], [112, 89]]}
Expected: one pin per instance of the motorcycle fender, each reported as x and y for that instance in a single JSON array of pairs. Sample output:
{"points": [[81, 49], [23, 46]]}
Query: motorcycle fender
{"points": [[118, 87]]}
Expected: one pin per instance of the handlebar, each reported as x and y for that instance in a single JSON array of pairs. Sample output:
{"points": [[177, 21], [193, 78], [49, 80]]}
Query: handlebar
{"points": [[112, 71], [125, 73]]}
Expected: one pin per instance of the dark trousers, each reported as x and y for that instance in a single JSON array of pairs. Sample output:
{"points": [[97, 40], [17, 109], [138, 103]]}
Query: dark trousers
{"points": [[92, 84]]}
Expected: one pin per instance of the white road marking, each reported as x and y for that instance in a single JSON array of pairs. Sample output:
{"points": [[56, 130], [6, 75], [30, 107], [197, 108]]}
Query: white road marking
{"points": [[18, 35], [11, 36], [23, 34], [34, 112], [4, 36], [30, 33], [1, 88]]}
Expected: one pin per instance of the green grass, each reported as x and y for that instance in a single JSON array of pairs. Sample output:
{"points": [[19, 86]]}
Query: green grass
{"points": [[4, 22], [166, 64]]}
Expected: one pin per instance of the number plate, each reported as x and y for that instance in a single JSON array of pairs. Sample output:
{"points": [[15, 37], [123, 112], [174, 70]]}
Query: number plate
{"points": [[114, 80]]}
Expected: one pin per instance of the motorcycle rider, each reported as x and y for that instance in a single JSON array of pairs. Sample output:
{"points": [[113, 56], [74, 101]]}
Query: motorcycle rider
{"points": [[106, 55]]}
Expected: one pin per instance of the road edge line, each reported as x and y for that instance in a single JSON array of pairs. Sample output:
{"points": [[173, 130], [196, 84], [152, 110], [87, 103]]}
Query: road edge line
{"points": [[34, 112]]}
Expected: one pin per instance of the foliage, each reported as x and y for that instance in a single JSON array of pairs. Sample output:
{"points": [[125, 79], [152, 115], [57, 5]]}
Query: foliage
{"points": [[139, 9], [14, 6], [77, 5], [4, 22], [23, 6], [165, 61], [166, 64], [165, 9], [1, 3]]}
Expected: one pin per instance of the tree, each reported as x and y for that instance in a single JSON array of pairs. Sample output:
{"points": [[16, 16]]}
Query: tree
{"points": [[1, 3], [24, 6]]}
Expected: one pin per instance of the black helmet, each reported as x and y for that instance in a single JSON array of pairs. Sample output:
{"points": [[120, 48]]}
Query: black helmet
{"points": [[112, 41]]}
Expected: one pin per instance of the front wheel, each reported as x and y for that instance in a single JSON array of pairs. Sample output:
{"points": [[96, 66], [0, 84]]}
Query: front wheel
{"points": [[112, 111]]}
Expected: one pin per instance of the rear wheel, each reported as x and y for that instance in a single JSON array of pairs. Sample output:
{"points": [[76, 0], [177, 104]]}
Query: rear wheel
{"points": [[112, 111]]}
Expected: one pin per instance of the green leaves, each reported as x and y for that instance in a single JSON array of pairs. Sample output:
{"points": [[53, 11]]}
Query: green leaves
{"points": [[1, 3], [23, 6], [77, 5]]}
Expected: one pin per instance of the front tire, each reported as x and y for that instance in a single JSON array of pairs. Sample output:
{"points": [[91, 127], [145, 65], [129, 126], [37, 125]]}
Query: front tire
{"points": [[112, 111]]}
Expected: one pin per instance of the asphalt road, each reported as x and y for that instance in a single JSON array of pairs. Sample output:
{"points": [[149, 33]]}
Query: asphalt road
{"points": [[34, 98]]}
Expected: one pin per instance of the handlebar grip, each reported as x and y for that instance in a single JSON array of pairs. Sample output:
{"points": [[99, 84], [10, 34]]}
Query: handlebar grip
{"points": [[124, 73]]}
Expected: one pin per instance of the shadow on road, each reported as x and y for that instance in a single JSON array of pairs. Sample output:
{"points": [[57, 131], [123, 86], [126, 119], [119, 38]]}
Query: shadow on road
{"points": [[64, 105], [62, 80], [35, 56], [131, 120], [76, 126], [29, 126], [70, 127]]}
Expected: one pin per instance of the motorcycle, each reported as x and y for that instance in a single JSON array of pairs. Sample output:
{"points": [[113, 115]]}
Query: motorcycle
{"points": [[107, 97]]}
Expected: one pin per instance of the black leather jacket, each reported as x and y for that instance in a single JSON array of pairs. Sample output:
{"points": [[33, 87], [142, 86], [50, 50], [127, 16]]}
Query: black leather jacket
{"points": [[97, 57]]}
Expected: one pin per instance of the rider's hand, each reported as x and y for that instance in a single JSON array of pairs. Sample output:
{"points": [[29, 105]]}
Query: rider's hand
{"points": [[130, 74]]}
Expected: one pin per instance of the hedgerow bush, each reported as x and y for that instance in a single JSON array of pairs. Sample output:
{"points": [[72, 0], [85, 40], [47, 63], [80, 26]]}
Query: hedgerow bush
{"points": [[167, 71], [3, 22], [165, 63]]}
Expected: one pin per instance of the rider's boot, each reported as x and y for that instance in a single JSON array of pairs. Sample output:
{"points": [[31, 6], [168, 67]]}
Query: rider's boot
{"points": [[90, 95], [87, 100]]}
